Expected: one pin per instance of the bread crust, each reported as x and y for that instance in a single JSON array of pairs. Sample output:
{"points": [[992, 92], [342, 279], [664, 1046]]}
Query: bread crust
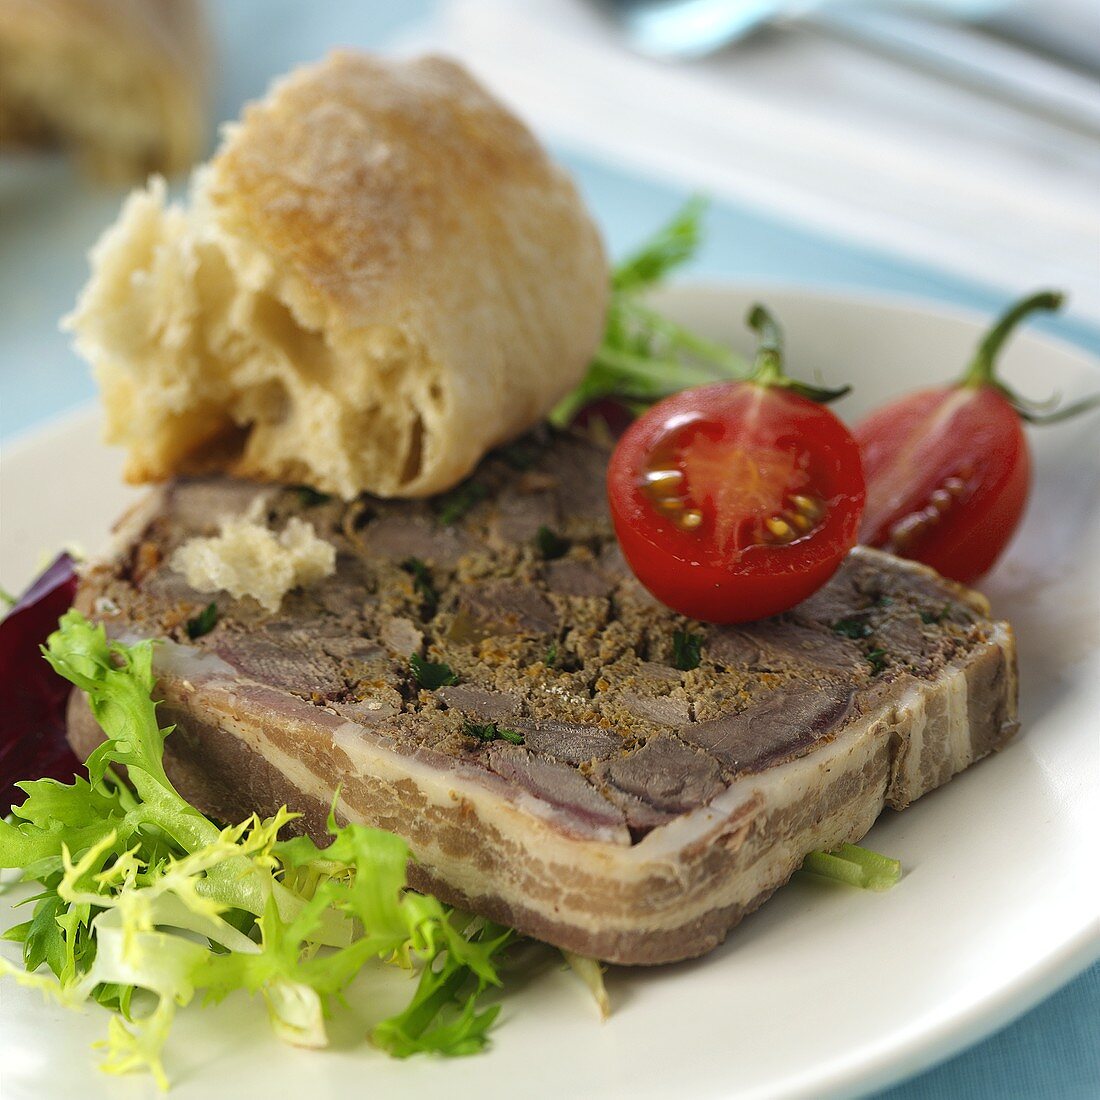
{"points": [[381, 276], [123, 83]]}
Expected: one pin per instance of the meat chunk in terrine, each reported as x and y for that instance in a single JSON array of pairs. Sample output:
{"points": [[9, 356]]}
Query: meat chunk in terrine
{"points": [[578, 779]]}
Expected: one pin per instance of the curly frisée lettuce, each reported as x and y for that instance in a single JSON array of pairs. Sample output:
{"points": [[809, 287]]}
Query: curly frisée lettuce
{"points": [[645, 355], [146, 902], [855, 866], [145, 905]]}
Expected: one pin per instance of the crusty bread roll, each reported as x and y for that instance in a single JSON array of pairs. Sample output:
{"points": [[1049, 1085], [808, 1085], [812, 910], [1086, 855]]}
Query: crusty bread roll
{"points": [[379, 277], [123, 83]]}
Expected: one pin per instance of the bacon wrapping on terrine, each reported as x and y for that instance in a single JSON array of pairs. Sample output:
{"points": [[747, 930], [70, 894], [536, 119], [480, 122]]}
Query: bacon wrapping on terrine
{"points": [[622, 807]]}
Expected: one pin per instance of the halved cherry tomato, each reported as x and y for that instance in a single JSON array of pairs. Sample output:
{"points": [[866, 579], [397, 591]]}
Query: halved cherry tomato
{"points": [[948, 473], [948, 469], [737, 500]]}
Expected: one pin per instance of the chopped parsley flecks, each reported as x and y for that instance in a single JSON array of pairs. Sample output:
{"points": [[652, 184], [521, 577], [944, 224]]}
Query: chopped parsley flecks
{"points": [[522, 455], [203, 622], [876, 658], [310, 497], [452, 506], [490, 731], [550, 544], [422, 584], [852, 628], [936, 616], [431, 675], [687, 650]]}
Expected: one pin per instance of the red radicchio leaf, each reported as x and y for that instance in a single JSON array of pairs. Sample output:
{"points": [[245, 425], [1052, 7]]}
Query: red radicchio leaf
{"points": [[32, 719], [607, 413]]}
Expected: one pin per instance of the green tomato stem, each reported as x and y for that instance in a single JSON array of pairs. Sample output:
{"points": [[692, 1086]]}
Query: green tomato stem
{"points": [[982, 370], [982, 367], [768, 367]]}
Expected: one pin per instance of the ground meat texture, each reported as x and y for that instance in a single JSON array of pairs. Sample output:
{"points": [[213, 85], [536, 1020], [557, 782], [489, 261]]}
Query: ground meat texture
{"points": [[571, 780]]}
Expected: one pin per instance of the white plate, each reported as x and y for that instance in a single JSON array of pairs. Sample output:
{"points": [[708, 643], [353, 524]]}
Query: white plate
{"points": [[825, 990]]}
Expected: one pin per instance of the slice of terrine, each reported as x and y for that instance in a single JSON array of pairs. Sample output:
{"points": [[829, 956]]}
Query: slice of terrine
{"points": [[603, 774]]}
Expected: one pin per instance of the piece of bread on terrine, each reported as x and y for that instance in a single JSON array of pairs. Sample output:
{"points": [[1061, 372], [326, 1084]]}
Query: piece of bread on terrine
{"points": [[378, 277], [648, 809]]}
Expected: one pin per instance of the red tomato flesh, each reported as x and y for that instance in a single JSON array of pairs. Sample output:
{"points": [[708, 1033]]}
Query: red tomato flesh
{"points": [[948, 473], [735, 501]]}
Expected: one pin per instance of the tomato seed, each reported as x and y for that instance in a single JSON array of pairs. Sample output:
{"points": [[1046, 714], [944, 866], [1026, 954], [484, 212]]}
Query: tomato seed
{"points": [[810, 507], [780, 528], [663, 482]]}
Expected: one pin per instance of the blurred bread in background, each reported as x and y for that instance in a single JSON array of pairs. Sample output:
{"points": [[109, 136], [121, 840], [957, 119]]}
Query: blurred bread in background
{"points": [[380, 276], [122, 84]]}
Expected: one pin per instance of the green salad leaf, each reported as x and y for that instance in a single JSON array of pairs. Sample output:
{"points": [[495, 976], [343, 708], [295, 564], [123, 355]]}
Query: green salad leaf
{"points": [[855, 866], [591, 972], [146, 904], [644, 355]]}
